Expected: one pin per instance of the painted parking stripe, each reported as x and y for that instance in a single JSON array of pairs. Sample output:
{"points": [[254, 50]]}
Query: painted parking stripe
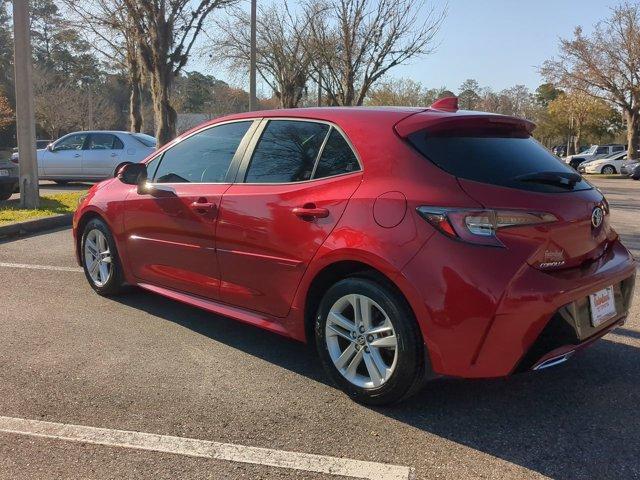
{"points": [[40, 267], [206, 449]]}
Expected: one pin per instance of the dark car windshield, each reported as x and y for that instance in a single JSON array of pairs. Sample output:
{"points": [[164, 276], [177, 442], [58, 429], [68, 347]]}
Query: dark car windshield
{"points": [[498, 158]]}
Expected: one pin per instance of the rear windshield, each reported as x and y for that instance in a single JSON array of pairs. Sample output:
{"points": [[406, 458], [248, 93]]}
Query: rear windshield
{"points": [[146, 140], [498, 158]]}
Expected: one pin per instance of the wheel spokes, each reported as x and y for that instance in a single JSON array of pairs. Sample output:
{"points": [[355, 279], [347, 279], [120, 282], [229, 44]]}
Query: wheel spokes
{"points": [[98, 258], [342, 321], [359, 331], [377, 377], [385, 342], [346, 356]]}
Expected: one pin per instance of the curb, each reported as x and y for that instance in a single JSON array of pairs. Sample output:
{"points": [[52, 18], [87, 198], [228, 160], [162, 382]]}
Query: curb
{"points": [[36, 226]]}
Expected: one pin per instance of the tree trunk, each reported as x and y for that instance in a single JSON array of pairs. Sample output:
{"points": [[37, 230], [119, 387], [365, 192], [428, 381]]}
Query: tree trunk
{"points": [[164, 114], [633, 137], [576, 140], [135, 98]]}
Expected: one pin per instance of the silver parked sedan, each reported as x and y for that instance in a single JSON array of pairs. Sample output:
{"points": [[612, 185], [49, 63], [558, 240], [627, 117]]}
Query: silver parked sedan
{"points": [[92, 155]]}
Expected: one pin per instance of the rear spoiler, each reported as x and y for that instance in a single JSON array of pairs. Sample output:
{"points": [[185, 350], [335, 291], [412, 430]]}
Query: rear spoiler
{"points": [[443, 115]]}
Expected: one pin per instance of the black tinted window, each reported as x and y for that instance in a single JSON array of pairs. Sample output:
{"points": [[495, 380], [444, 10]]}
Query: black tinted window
{"points": [[337, 157], [602, 150], [286, 152], [204, 157], [496, 160]]}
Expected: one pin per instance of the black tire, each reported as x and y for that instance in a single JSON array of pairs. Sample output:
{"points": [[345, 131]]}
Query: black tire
{"points": [[62, 182], [115, 284], [608, 170], [409, 371], [115, 172]]}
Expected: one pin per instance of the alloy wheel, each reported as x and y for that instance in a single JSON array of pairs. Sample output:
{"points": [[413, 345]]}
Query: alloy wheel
{"points": [[97, 257], [361, 341]]}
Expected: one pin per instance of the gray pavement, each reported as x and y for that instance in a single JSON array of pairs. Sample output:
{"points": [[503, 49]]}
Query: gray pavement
{"points": [[145, 363]]}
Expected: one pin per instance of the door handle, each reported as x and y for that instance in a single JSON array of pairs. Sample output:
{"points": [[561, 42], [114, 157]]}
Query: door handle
{"points": [[114, 154], [203, 208], [76, 155], [310, 212]]}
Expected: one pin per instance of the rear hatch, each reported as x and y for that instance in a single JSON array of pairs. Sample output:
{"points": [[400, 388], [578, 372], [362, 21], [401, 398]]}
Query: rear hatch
{"points": [[499, 164]]}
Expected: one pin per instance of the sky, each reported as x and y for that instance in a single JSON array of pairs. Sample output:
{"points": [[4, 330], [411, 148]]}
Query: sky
{"points": [[500, 43]]}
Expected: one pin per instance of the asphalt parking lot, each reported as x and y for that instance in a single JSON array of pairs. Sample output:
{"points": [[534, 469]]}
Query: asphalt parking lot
{"points": [[142, 363]]}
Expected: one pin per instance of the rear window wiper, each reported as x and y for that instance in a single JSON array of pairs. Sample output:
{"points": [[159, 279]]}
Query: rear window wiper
{"points": [[566, 180]]}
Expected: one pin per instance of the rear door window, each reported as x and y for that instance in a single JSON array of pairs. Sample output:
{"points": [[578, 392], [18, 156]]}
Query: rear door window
{"points": [[496, 158], [286, 152], [101, 141]]}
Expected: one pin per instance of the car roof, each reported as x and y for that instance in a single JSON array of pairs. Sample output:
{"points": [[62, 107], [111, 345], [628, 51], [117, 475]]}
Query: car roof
{"points": [[113, 132], [404, 119]]}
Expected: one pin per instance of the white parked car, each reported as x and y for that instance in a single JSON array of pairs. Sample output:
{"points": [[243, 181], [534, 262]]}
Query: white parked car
{"points": [[608, 165], [594, 152], [92, 155]]}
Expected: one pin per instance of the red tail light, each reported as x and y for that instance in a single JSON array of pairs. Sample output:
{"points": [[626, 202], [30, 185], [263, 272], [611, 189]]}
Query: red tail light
{"points": [[480, 226]]}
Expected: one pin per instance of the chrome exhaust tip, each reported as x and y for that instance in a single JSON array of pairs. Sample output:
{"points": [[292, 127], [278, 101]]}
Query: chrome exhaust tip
{"points": [[552, 362]]}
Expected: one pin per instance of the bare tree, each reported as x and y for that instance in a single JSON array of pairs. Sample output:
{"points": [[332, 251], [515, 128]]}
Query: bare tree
{"points": [[56, 105], [402, 92], [108, 27], [7, 115], [355, 42], [606, 65], [165, 32], [282, 59]]}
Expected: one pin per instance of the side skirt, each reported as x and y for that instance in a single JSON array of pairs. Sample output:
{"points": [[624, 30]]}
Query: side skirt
{"points": [[263, 321]]}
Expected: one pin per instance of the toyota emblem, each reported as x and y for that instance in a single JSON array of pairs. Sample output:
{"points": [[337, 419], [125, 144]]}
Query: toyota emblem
{"points": [[596, 217]]}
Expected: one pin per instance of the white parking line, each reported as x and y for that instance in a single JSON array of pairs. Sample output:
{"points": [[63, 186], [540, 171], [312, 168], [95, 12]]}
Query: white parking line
{"points": [[206, 449], [40, 267]]}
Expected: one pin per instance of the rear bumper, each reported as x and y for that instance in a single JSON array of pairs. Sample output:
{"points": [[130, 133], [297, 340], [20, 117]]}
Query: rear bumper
{"points": [[480, 319], [570, 330], [8, 183]]}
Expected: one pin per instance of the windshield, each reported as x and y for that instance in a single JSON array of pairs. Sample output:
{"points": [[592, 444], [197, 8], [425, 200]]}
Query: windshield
{"points": [[589, 150], [146, 140], [498, 158]]}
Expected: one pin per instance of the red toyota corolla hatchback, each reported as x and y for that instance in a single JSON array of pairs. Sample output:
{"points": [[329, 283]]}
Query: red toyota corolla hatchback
{"points": [[405, 243]]}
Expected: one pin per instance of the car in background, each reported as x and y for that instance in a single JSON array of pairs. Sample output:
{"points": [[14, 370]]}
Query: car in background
{"points": [[594, 152], [628, 166], [634, 171], [92, 155], [8, 178], [608, 165], [403, 243], [559, 150], [40, 145]]}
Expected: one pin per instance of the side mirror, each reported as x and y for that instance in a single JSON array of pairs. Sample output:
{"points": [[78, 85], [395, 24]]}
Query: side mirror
{"points": [[50, 147], [133, 174]]}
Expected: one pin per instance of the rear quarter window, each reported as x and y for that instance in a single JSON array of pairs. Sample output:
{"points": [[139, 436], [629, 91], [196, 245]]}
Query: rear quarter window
{"points": [[498, 158]]}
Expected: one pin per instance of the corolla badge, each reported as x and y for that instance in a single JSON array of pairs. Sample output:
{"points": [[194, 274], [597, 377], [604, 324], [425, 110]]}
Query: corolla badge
{"points": [[553, 259], [596, 217]]}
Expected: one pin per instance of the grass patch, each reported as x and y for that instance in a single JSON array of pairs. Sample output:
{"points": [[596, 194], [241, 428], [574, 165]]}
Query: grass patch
{"points": [[10, 210]]}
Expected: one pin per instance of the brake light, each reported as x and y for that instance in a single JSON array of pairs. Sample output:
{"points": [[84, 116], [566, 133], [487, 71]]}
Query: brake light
{"points": [[480, 226]]}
